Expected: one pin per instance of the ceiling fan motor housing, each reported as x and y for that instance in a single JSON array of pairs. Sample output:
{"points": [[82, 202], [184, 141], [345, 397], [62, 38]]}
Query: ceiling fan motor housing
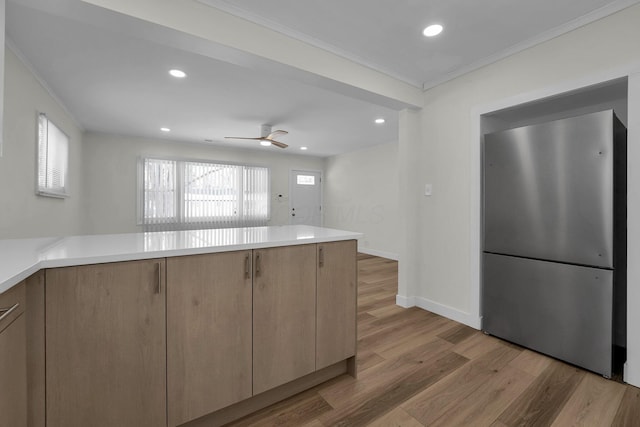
{"points": [[265, 130]]}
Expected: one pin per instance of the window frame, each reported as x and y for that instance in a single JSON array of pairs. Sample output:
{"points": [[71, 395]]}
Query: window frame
{"points": [[179, 221], [60, 192]]}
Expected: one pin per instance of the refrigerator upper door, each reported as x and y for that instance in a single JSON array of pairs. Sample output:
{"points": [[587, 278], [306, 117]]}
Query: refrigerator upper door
{"points": [[548, 191]]}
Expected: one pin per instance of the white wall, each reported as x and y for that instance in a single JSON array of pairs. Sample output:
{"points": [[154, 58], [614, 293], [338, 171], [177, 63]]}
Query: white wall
{"points": [[361, 194], [446, 222], [23, 213], [110, 175]]}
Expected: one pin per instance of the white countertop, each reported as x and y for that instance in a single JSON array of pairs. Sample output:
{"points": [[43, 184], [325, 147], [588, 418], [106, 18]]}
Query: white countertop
{"points": [[20, 258]]}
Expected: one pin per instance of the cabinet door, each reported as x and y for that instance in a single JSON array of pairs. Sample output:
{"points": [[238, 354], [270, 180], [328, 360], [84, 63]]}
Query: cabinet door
{"points": [[13, 356], [208, 333], [105, 345], [284, 315], [13, 374], [337, 293]]}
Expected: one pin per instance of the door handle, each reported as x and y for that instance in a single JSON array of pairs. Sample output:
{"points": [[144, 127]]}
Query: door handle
{"points": [[321, 257]]}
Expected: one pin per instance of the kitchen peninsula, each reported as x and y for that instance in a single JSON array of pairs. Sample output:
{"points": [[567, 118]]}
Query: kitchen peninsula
{"points": [[195, 327]]}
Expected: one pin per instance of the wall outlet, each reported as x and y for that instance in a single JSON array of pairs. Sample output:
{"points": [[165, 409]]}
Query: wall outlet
{"points": [[428, 189]]}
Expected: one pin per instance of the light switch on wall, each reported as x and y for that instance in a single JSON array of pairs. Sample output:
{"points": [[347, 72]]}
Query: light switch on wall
{"points": [[428, 189]]}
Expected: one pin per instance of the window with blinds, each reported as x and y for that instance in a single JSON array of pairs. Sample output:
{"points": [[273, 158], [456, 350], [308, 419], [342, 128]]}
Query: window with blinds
{"points": [[186, 194], [53, 159]]}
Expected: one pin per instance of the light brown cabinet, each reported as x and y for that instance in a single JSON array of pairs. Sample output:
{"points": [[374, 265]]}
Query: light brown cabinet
{"points": [[336, 302], [209, 333], [127, 346], [13, 366], [242, 323], [284, 315], [106, 345]]}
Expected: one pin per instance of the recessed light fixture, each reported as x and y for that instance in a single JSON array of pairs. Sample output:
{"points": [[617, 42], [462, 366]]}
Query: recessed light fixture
{"points": [[432, 30], [380, 121], [303, 148], [178, 73], [165, 129]]}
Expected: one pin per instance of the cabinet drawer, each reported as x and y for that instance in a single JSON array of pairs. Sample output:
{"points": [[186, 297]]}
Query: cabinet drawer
{"points": [[12, 304]]}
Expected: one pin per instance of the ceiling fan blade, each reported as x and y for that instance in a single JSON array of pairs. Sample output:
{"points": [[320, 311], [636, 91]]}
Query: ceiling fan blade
{"points": [[240, 137], [277, 133], [278, 144]]}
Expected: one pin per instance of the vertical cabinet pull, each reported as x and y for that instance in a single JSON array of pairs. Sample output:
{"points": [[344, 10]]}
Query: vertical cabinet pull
{"points": [[321, 256], [159, 279], [258, 264], [5, 312], [247, 266]]}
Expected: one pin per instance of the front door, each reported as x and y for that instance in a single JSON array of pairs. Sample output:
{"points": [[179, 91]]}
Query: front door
{"points": [[306, 197]]}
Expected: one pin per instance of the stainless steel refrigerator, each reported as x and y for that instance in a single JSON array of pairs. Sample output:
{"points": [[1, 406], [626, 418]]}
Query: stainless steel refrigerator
{"points": [[554, 261]]}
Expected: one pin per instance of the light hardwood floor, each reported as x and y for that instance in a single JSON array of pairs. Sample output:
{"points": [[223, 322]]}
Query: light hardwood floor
{"points": [[416, 368]]}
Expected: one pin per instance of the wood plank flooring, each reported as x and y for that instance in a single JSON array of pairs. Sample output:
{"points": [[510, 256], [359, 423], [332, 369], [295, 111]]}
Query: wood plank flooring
{"points": [[416, 368]]}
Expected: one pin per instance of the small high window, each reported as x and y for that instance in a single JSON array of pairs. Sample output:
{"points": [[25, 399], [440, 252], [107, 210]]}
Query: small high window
{"points": [[53, 159]]}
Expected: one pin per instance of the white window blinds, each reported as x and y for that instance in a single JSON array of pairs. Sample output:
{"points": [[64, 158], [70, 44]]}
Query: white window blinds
{"points": [[187, 195], [53, 159], [160, 191]]}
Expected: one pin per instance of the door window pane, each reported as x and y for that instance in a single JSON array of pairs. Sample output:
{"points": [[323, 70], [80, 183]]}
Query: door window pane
{"points": [[306, 180]]}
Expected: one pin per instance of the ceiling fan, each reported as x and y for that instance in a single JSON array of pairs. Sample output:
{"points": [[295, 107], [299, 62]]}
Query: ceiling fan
{"points": [[267, 137]]}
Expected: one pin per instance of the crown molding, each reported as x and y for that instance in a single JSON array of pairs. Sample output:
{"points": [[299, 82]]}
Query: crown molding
{"points": [[22, 58]]}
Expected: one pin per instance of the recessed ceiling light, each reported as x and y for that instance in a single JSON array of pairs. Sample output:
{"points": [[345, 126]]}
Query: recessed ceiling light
{"points": [[165, 129], [432, 30], [265, 143], [303, 148], [380, 121], [178, 73]]}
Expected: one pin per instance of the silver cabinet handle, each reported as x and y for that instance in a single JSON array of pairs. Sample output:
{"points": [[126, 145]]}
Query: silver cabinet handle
{"points": [[247, 266], [159, 277], [258, 264], [5, 312]]}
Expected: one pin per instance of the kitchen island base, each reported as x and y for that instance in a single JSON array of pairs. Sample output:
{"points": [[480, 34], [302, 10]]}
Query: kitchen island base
{"points": [[104, 318], [263, 400]]}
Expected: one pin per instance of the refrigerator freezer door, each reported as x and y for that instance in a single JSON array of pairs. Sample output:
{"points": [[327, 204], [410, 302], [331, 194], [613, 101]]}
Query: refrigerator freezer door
{"points": [[561, 310], [548, 191]]}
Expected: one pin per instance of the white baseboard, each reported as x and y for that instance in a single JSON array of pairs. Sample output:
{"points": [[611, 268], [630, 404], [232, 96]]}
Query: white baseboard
{"points": [[440, 309], [631, 376], [405, 302], [383, 254]]}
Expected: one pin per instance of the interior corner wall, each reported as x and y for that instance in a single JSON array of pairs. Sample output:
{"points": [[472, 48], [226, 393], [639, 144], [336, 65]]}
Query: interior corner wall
{"points": [[445, 273], [411, 165], [361, 194], [23, 213], [111, 178]]}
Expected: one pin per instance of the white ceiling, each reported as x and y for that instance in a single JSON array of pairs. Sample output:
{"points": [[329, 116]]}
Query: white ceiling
{"points": [[387, 34], [113, 78]]}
